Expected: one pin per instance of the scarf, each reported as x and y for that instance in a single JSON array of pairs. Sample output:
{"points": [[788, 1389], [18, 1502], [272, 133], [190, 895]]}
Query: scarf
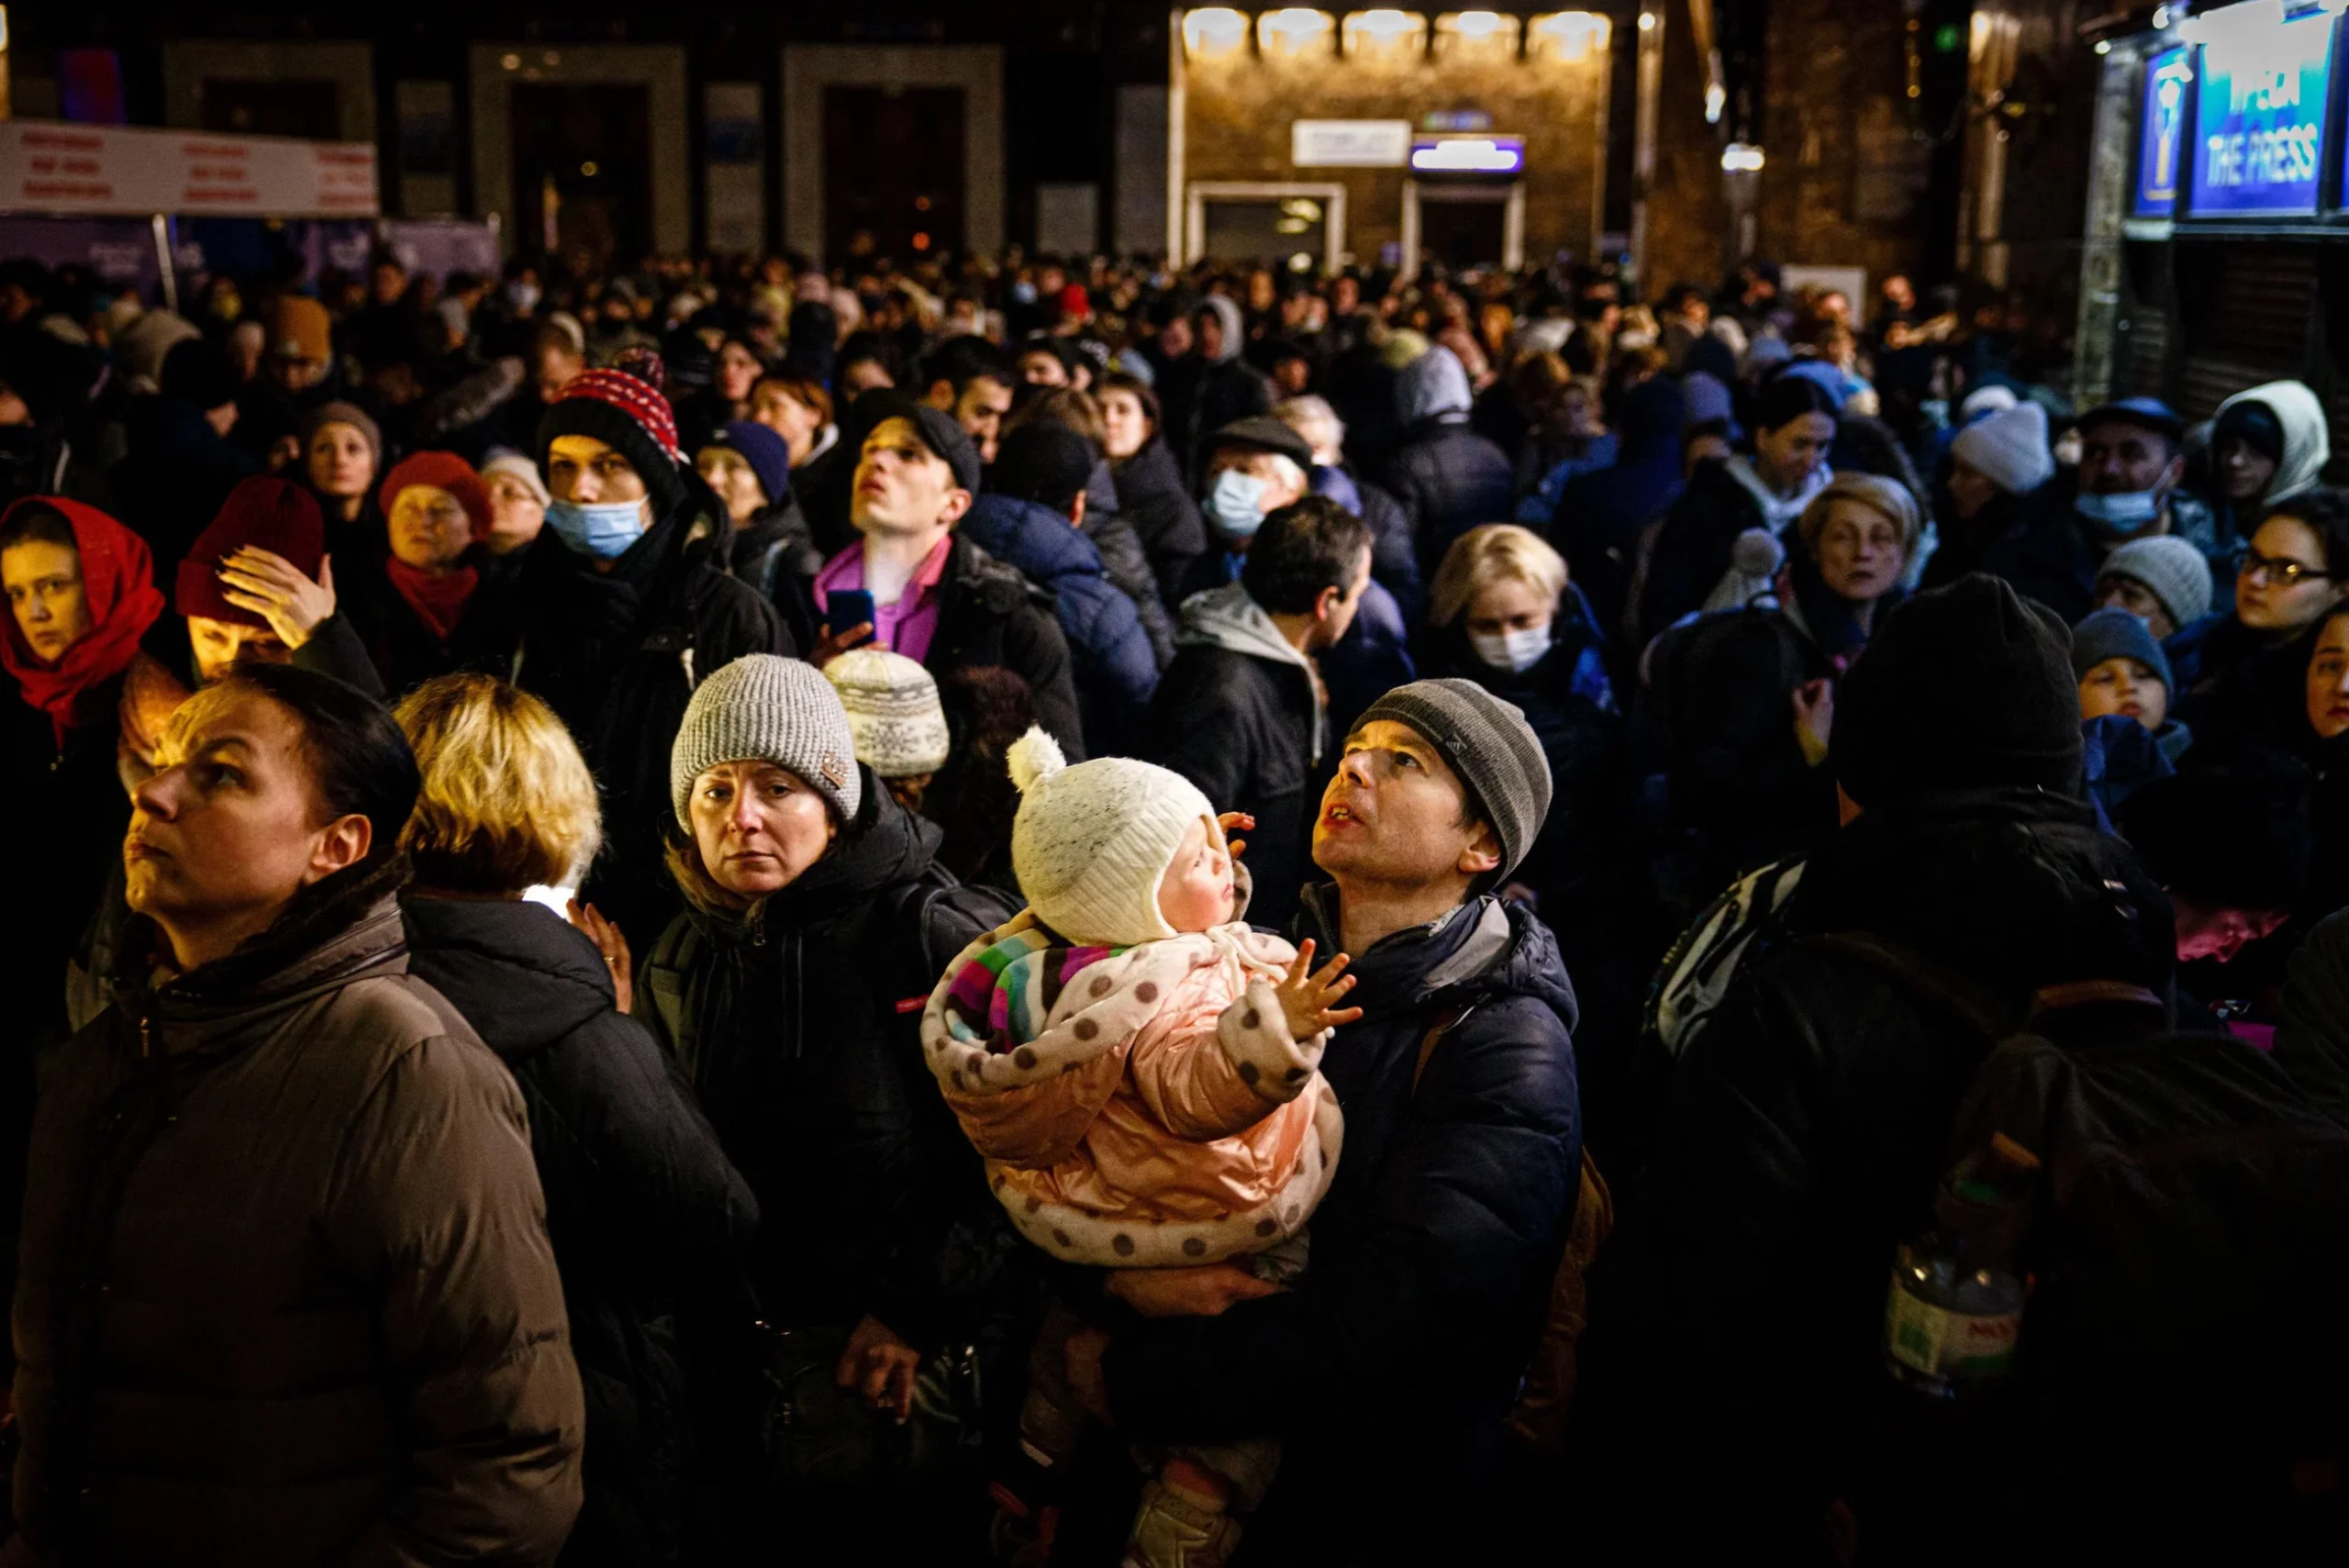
{"points": [[1778, 511], [119, 583], [439, 602]]}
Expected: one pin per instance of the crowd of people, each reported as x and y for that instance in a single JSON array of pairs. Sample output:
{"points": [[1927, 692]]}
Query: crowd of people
{"points": [[1045, 912]]}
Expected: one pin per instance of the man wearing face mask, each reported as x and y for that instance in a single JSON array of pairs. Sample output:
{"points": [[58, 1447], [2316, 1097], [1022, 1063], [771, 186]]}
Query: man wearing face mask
{"points": [[625, 606], [2130, 466], [1253, 467]]}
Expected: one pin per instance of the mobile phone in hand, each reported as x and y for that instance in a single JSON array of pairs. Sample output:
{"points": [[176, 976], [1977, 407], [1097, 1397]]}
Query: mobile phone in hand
{"points": [[845, 609]]}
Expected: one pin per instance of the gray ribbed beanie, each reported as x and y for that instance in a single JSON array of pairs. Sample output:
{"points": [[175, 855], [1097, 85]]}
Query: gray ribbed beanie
{"points": [[1487, 742], [2173, 570], [771, 710]]}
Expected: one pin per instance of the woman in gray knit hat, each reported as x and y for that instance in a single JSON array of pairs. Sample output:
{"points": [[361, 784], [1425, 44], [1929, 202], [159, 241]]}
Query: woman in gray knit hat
{"points": [[813, 911]]}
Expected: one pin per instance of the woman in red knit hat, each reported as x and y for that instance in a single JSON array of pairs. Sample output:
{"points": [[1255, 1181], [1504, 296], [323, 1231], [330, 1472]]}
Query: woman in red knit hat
{"points": [[430, 607]]}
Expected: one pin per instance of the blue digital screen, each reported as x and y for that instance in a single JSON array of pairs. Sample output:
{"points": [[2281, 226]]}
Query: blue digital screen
{"points": [[2259, 108], [2161, 129]]}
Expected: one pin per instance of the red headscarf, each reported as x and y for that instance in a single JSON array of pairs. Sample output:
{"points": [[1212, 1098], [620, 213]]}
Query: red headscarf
{"points": [[119, 581]]}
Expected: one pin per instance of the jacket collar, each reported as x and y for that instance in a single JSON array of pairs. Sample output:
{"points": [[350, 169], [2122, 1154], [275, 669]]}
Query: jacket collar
{"points": [[1408, 967]]}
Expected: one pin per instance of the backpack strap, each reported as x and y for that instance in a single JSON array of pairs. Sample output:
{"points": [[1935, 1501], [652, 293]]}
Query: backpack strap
{"points": [[1444, 1022], [1929, 980]]}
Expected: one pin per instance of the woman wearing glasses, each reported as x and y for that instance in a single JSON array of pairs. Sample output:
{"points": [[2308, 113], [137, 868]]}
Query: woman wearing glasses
{"points": [[2254, 664]]}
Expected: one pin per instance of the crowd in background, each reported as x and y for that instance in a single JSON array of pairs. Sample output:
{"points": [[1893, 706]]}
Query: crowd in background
{"points": [[1812, 615]]}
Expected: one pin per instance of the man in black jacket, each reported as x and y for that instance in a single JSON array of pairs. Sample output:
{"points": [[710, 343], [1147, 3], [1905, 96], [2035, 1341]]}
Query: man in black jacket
{"points": [[1386, 1368], [1737, 1314], [1242, 712], [623, 606]]}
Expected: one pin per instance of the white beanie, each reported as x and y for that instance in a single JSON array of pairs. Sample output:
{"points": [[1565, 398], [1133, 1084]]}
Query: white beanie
{"points": [[893, 712], [766, 709], [2008, 448], [1092, 842], [507, 461]]}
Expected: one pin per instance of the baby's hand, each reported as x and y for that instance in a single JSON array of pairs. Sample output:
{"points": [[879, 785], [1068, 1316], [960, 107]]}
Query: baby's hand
{"points": [[1304, 998]]}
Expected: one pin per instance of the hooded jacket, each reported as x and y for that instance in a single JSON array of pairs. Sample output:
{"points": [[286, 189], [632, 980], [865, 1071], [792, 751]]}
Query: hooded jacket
{"points": [[1115, 669], [286, 1293], [617, 654], [1386, 1369], [1601, 514], [790, 1023], [1227, 387], [1241, 714], [1154, 498], [2308, 439], [1692, 549], [1447, 478], [644, 1211], [1803, 1133], [1126, 561]]}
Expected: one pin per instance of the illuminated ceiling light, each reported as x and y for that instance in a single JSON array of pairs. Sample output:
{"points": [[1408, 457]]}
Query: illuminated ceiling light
{"points": [[1482, 35], [1294, 30], [1212, 31], [1469, 155], [1475, 24], [1571, 36], [1385, 31], [1647, 21], [1741, 157]]}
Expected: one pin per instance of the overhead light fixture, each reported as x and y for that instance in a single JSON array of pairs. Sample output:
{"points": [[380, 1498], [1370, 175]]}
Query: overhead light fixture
{"points": [[1385, 32], [1482, 35], [1741, 158], [1469, 155], [1294, 30], [1212, 31], [1572, 36]]}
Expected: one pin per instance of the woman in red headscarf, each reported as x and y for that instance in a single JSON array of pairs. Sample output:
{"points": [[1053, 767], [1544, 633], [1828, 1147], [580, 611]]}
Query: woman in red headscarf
{"points": [[81, 594]]}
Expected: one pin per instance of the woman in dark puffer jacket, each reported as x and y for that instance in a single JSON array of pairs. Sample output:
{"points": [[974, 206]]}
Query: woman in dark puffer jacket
{"points": [[646, 1214]]}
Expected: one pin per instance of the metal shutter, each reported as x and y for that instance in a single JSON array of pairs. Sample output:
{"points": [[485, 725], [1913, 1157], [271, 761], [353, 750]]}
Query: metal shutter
{"points": [[2247, 314]]}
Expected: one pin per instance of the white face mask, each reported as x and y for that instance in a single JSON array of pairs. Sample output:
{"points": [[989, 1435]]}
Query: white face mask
{"points": [[1511, 651]]}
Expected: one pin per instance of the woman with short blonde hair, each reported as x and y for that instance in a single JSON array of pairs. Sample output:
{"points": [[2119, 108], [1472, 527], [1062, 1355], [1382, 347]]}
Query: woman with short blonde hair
{"points": [[1496, 552], [642, 1206], [507, 802]]}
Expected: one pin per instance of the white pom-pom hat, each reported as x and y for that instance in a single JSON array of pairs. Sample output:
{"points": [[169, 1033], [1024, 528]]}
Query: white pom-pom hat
{"points": [[1092, 842]]}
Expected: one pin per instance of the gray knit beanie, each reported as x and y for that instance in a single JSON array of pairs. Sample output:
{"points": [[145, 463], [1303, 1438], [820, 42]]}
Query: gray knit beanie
{"points": [[762, 709], [2114, 633], [2173, 571], [1487, 742]]}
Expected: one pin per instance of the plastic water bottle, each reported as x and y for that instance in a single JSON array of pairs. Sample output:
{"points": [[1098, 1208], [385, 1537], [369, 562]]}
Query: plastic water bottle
{"points": [[1954, 1313]]}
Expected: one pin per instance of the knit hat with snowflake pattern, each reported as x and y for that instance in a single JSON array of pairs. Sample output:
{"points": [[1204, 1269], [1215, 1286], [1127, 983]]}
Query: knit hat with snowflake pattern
{"points": [[1092, 842]]}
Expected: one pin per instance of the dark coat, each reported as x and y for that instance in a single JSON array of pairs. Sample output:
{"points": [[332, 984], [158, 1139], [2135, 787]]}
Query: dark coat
{"points": [[642, 1206], [286, 1292], [774, 553], [617, 656], [990, 613], [1394, 551], [1447, 479], [789, 1024], [1126, 561], [404, 651], [1601, 513], [1114, 667], [1152, 496], [1223, 392], [1402, 1347], [1241, 728], [62, 836], [2048, 554], [1802, 1137], [1692, 549], [2250, 688], [178, 472]]}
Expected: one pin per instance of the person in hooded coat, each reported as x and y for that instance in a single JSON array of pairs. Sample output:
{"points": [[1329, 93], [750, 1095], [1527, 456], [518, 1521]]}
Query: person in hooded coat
{"points": [[1151, 492], [1805, 1121], [814, 909], [625, 606], [1601, 514], [1794, 424], [2268, 444], [646, 1214], [1448, 478], [1224, 387]]}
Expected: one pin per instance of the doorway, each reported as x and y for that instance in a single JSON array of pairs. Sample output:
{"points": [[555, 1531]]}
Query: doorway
{"points": [[296, 107], [893, 172], [582, 172], [1464, 225]]}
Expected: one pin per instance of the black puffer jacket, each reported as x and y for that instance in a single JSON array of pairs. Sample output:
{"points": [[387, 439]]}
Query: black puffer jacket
{"points": [[644, 1210], [1449, 479], [1126, 561], [617, 654], [1154, 498], [789, 1025], [1737, 1312], [1387, 1369], [989, 614]]}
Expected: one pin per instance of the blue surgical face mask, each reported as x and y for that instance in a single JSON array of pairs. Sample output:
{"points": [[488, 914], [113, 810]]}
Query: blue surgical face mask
{"points": [[1934, 410], [603, 528], [1236, 503], [2132, 511]]}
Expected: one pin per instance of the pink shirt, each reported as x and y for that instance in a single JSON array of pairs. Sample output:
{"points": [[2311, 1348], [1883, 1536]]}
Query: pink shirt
{"points": [[906, 626]]}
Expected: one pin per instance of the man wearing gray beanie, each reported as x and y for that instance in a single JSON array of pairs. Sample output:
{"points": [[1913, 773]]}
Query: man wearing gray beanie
{"points": [[1404, 1343]]}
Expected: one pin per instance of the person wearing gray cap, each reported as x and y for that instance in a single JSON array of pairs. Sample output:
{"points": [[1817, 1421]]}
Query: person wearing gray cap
{"points": [[1405, 1342], [1250, 469], [937, 597]]}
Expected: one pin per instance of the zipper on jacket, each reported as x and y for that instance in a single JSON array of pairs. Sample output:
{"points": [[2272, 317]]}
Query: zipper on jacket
{"points": [[146, 1038]]}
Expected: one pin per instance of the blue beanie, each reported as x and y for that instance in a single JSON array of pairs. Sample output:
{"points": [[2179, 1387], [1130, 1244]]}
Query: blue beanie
{"points": [[2114, 633], [768, 454]]}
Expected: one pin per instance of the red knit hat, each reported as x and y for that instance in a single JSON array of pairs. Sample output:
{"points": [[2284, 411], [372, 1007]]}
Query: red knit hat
{"points": [[442, 471], [266, 513], [637, 398]]}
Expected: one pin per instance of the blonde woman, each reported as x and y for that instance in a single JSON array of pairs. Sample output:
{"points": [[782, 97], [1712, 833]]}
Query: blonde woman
{"points": [[642, 1206]]}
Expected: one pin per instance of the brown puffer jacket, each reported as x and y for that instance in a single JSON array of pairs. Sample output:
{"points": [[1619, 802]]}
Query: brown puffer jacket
{"points": [[286, 1294]]}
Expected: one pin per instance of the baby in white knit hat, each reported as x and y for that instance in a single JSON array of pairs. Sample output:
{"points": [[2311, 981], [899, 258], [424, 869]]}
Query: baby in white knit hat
{"points": [[1140, 1069]]}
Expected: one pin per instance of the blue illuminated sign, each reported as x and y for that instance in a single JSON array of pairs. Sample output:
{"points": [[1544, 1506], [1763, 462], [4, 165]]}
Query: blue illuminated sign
{"points": [[2161, 129], [2259, 113]]}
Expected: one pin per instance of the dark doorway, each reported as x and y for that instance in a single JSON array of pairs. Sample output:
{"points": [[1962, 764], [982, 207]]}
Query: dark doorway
{"points": [[1273, 231], [271, 108], [582, 172], [1461, 233], [893, 172]]}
